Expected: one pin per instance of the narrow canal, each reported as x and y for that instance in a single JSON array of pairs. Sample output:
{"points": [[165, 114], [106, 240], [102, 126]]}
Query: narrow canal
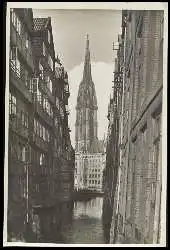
{"points": [[86, 224]]}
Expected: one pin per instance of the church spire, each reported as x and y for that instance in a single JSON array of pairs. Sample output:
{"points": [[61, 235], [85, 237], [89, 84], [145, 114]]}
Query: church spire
{"points": [[87, 64]]}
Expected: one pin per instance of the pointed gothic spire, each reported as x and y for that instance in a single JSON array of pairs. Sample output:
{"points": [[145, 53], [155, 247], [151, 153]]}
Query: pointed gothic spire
{"points": [[87, 64]]}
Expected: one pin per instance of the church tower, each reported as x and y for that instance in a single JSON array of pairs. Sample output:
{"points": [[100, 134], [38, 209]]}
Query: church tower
{"points": [[86, 109]]}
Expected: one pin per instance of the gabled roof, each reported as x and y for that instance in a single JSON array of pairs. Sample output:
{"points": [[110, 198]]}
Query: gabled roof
{"points": [[40, 23]]}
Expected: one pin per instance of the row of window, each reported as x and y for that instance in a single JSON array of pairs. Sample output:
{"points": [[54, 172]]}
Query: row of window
{"points": [[94, 182], [94, 176], [95, 170], [41, 131], [24, 115]]}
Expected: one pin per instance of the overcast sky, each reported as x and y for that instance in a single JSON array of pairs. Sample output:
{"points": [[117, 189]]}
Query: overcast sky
{"points": [[69, 33]]}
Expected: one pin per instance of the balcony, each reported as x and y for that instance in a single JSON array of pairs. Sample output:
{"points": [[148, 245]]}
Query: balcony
{"points": [[44, 88], [40, 143], [15, 78], [43, 114], [19, 43]]}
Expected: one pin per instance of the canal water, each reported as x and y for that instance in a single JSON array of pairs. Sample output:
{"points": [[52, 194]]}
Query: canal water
{"points": [[86, 224]]}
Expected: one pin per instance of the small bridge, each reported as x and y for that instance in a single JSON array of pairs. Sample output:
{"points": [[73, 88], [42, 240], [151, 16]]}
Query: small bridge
{"points": [[86, 194]]}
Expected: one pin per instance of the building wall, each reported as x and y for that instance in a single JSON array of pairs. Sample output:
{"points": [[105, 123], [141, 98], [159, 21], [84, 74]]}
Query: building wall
{"points": [[41, 157], [136, 217]]}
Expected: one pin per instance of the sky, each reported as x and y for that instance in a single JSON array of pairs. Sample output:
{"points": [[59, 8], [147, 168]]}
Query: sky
{"points": [[70, 28]]}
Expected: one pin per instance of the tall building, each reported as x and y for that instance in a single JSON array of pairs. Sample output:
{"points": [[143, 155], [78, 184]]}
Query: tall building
{"points": [[41, 157], [89, 150], [137, 196], [21, 68]]}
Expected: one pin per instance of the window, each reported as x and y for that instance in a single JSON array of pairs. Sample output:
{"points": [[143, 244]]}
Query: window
{"points": [[57, 103], [35, 126], [12, 105], [41, 159], [47, 136], [48, 36], [18, 26], [56, 122], [51, 111], [44, 49], [27, 80], [50, 62], [61, 112], [49, 85], [41, 69], [38, 128], [48, 107], [13, 53], [27, 42], [39, 96], [41, 131], [44, 134], [44, 103], [23, 154]]}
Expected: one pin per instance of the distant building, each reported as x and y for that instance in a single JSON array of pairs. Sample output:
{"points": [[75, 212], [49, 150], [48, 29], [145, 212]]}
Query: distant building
{"points": [[89, 150]]}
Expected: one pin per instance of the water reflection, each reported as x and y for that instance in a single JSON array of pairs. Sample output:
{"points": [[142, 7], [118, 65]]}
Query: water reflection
{"points": [[92, 208], [86, 226]]}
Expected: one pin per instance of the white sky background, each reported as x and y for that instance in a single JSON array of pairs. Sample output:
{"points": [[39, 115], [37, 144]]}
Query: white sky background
{"points": [[69, 29]]}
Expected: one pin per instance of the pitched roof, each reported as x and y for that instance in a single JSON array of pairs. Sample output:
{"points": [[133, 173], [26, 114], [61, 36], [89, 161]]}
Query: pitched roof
{"points": [[40, 23]]}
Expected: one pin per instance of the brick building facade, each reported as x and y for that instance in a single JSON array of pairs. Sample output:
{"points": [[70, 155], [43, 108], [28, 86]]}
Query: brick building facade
{"points": [[41, 157], [137, 201]]}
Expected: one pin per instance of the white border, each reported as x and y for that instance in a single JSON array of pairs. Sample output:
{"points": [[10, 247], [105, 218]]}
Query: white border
{"points": [[103, 6]]}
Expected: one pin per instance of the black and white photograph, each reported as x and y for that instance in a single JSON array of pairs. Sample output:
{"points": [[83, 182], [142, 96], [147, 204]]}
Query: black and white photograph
{"points": [[85, 124]]}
